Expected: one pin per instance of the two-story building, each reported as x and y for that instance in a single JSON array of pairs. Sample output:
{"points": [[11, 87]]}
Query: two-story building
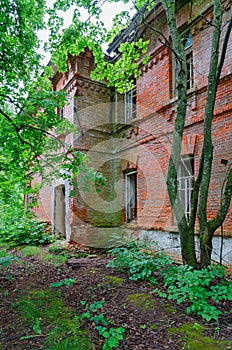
{"points": [[128, 138]]}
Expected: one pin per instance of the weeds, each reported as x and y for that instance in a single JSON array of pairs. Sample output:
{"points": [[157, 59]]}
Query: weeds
{"points": [[112, 336], [68, 282], [140, 264], [202, 289]]}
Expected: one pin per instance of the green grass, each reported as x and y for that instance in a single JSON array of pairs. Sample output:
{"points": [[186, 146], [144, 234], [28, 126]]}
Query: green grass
{"points": [[30, 251], [44, 313], [52, 259]]}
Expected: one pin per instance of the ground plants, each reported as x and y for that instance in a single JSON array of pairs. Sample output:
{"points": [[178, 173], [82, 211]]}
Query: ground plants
{"points": [[68, 282], [202, 289], [6, 260], [138, 261], [112, 335], [26, 230]]}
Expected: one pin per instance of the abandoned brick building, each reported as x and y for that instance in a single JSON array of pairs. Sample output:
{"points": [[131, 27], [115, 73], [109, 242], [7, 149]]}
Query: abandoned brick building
{"points": [[128, 139]]}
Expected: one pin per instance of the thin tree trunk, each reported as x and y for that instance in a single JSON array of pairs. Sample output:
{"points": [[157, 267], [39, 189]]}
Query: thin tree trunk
{"points": [[186, 235]]}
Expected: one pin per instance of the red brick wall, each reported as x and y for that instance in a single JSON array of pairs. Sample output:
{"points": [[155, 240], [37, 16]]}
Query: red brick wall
{"points": [[146, 144]]}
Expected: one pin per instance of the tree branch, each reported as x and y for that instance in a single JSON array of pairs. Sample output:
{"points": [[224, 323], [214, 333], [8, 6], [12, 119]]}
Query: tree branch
{"points": [[208, 117], [224, 49], [224, 205]]}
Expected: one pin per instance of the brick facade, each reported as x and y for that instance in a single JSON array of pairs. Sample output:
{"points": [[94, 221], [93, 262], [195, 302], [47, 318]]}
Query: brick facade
{"points": [[117, 148]]}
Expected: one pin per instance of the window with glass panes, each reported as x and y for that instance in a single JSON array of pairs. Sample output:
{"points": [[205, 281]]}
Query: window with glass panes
{"points": [[188, 40], [185, 179], [130, 104]]}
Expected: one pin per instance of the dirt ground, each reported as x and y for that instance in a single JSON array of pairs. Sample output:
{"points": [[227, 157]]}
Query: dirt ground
{"points": [[150, 322]]}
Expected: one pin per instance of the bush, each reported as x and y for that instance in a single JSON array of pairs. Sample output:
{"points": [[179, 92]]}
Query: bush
{"points": [[26, 230]]}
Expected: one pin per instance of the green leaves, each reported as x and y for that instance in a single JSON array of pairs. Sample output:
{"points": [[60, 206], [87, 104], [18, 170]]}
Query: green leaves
{"points": [[202, 289], [111, 335], [197, 287], [6, 260], [68, 282], [140, 264]]}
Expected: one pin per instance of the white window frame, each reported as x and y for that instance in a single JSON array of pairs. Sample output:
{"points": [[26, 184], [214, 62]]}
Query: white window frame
{"points": [[185, 180], [130, 104], [187, 37], [131, 195]]}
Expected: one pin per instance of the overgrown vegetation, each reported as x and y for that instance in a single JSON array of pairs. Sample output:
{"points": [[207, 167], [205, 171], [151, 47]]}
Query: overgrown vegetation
{"points": [[138, 262], [48, 321], [20, 228], [202, 289], [112, 335]]}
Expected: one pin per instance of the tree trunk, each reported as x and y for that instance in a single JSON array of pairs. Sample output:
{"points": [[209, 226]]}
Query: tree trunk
{"points": [[206, 248], [186, 235]]}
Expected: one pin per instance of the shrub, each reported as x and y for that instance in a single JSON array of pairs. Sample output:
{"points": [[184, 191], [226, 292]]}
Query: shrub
{"points": [[26, 230]]}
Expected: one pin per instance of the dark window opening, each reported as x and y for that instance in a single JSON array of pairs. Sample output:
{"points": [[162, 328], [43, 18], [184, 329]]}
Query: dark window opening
{"points": [[131, 196]]}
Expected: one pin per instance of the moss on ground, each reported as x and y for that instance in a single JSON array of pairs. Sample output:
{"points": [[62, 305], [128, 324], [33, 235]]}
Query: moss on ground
{"points": [[168, 308], [117, 281], [193, 335], [55, 260], [52, 259], [45, 314], [141, 300], [30, 251]]}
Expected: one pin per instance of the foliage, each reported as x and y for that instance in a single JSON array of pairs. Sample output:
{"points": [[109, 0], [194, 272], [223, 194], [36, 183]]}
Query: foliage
{"points": [[202, 289], [6, 260], [68, 282], [111, 335], [25, 230], [140, 264]]}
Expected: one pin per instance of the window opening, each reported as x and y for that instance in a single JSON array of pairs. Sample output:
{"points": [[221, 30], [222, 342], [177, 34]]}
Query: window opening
{"points": [[61, 112], [131, 196], [188, 40], [185, 179], [130, 104]]}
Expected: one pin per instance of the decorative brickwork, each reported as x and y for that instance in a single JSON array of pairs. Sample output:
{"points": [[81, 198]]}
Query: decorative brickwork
{"points": [[143, 144]]}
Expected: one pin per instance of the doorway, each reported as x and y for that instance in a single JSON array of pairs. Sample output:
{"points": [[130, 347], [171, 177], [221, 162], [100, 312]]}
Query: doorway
{"points": [[59, 210]]}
